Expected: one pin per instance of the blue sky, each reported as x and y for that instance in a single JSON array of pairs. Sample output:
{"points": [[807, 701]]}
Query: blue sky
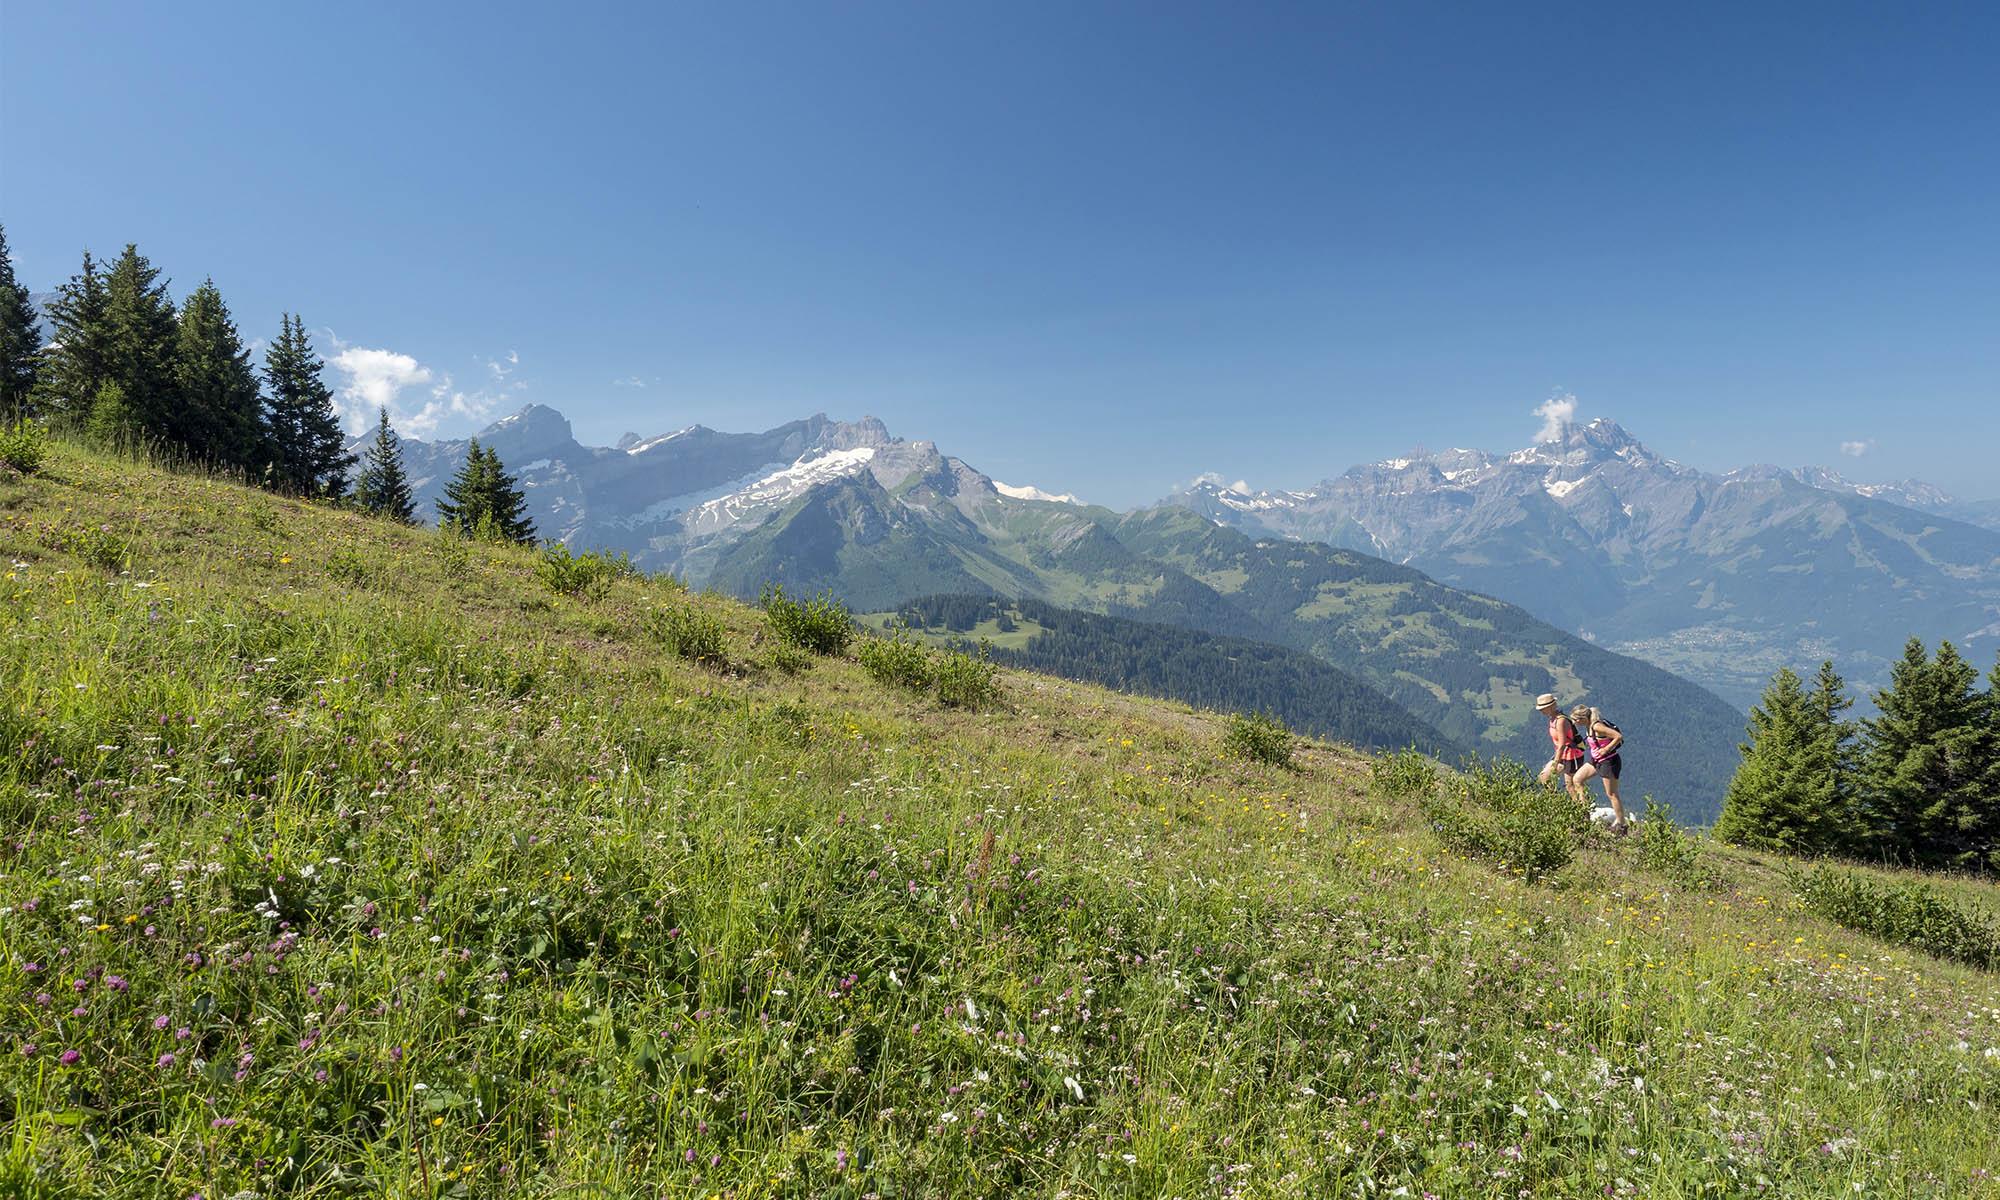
{"points": [[1099, 248]]}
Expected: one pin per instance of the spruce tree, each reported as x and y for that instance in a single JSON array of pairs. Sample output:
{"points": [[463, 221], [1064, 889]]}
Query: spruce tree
{"points": [[142, 343], [383, 488], [1784, 795], [20, 342], [1827, 705], [484, 501], [464, 505], [1929, 761], [219, 417], [308, 452], [506, 505], [73, 365]]}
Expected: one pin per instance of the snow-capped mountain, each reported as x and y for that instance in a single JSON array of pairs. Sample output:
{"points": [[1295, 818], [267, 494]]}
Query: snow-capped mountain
{"points": [[1720, 577]]}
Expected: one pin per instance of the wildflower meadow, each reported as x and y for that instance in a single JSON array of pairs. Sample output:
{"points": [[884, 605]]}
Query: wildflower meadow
{"points": [[345, 860]]}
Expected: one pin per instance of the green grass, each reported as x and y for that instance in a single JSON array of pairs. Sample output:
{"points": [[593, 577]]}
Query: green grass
{"points": [[434, 881]]}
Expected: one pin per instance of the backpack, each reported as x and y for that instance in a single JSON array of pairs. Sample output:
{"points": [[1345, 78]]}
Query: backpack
{"points": [[1613, 727]]}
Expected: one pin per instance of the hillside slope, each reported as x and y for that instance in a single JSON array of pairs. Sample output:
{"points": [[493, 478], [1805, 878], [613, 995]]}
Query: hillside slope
{"points": [[344, 860], [1222, 673]]}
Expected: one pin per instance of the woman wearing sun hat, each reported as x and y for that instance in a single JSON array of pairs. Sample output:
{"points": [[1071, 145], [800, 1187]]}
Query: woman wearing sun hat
{"points": [[1572, 756]]}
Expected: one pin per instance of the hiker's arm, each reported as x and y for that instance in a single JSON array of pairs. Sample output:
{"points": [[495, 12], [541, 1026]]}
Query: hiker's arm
{"points": [[1617, 739]]}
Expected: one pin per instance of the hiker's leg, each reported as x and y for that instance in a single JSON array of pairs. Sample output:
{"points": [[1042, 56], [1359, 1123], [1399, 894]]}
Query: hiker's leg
{"points": [[1617, 805], [1578, 783], [1547, 771]]}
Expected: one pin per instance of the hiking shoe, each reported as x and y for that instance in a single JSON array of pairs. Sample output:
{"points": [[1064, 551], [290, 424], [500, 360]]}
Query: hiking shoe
{"points": [[1621, 828]]}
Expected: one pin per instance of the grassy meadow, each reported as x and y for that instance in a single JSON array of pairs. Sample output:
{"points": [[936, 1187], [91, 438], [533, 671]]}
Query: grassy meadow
{"points": [[343, 859]]}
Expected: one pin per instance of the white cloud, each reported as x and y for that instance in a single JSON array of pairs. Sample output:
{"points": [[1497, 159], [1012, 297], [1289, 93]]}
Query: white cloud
{"points": [[375, 379], [1857, 449], [630, 381], [1555, 412]]}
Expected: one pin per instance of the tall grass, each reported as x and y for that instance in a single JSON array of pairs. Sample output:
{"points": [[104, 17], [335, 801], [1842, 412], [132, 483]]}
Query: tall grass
{"points": [[411, 890]]}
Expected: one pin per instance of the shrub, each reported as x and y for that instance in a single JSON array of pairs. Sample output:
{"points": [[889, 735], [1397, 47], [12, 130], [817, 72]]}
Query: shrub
{"points": [[348, 567], [789, 659], [1502, 816], [1911, 914], [1668, 849], [454, 555], [24, 447], [1259, 737], [1404, 775], [967, 680], [820, 623], [688, 633], [587, 575], [94, 544], [899, 660]]}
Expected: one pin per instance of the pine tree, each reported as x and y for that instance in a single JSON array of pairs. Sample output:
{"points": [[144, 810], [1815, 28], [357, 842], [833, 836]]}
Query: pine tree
{"points": [[308, 453], [1785, 793], [112, 418], [142, 342], [506, 505], [20, 342], [219, 417], [463, 506], [1929, 761], [484, 501], [383, 488], [73, 364], [1827, 705]]}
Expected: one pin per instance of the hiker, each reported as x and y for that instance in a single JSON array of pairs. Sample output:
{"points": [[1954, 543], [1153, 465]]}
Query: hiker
{"points": [[1603, 740], [1572, 757]]}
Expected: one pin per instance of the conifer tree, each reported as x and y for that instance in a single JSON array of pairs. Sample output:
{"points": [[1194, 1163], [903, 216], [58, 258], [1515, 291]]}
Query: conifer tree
{"points": [[484, 501], [1785, 795], [507, 505], [20, 342], [219, 417], [73, 365], [112, 419], [384, 488], [464, 505], [142, 341], [1928, 761], [1827, 705], [308, 453]]}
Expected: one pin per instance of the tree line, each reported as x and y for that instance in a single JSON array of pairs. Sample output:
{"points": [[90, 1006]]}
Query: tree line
{"points": [[125, 364], [1917, 784]]}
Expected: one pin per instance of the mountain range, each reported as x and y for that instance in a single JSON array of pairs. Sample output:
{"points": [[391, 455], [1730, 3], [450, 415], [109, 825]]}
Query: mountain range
{"points": [[883, 521], [1721, 578]]}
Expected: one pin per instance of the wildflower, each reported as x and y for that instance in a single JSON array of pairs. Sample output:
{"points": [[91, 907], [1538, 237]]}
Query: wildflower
{"points": [[71, 1057], [161, 1022], [166, 1060]]}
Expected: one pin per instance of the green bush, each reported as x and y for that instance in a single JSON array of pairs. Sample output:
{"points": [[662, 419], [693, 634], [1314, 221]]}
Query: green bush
{"points": [[1404, 775], [587, 576], [1667, 849], [349, 567], [690, 634], [820, 623], [967, 680], [24, 447], [789, 659], [1910, 914], [1502, 816], [94, 544], [454, 554], [1259, 737], [898, 660]]}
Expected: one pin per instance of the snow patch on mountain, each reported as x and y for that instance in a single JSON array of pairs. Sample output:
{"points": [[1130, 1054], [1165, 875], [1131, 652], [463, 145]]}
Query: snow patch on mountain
{"points": [[1033, 493]]}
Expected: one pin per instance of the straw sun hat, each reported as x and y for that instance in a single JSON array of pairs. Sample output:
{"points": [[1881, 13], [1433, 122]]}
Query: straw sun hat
{"points": [[1545, 700]]}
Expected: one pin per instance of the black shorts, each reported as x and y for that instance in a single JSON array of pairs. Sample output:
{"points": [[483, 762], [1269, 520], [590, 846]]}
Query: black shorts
{"points": [[1570, 766], [1608, 768]]}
